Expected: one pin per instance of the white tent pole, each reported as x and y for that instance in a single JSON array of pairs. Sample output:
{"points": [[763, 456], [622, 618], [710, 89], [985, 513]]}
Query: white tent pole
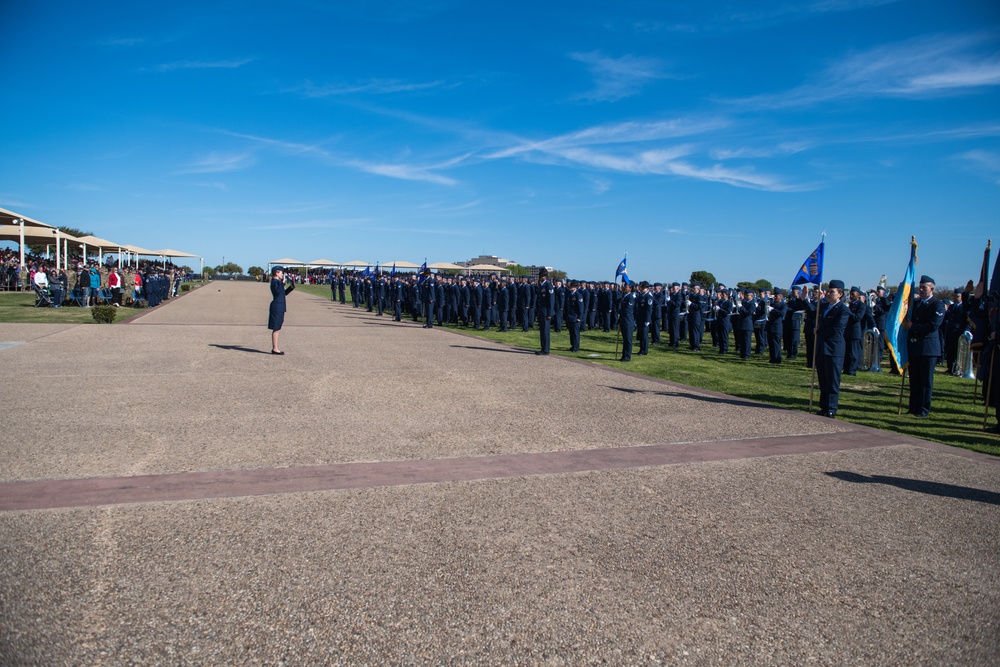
{"points": [[21, 221], [58, 255]]}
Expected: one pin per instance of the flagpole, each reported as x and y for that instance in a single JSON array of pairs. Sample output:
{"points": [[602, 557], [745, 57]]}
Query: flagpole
{"points": [[989, 382], [909, 320], [618, 329]]}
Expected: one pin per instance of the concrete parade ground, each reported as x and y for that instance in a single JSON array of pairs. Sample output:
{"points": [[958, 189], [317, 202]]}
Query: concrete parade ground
{"points": [[171, 493]]}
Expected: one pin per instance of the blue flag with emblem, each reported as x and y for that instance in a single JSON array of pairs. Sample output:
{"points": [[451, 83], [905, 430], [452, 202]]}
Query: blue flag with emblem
{"points": [[895, 334], [622, 271], [812, 269], [420, 273], [392, 274]]}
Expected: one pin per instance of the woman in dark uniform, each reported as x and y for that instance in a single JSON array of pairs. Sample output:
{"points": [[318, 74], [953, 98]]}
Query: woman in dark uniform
{"points": [[831, 348], [276, 311]]}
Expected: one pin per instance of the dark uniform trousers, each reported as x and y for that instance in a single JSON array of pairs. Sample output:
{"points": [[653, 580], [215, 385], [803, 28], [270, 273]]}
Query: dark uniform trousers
{"points": [[923, 349], [626, 321], [830, 355]]}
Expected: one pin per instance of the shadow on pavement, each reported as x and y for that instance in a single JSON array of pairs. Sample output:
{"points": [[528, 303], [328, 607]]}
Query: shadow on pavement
{"points": [[492, 349], [696, 397], [921, 486], [237, 348]]}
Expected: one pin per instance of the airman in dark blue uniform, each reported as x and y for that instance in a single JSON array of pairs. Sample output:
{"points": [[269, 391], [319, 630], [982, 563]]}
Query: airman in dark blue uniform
{"points": [[626, 321], [923, 345], [545, 305], [830, 348], [574, 315], [744, 324], [793, 322], [775, 325]]}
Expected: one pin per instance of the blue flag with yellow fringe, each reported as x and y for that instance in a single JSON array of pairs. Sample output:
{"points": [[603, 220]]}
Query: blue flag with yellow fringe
{"points": [[622, 271], [812, 269], [895, 335]]}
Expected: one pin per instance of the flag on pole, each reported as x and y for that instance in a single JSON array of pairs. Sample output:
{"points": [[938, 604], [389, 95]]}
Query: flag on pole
{"points": [[392, 274], [895, 334], [812, 269], [622, 271], [376, 268], [422, 271], [983, 272], [993, 300]]}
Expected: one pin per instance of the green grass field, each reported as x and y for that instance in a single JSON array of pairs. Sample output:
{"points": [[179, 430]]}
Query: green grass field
{"points": [[871, 399], [20, 307]]}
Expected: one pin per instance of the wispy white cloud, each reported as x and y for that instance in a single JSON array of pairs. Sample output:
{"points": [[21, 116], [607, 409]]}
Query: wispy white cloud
{"points": [[122, 42], [750, 15], [218, 185], [599, 185], [434, 232], [312, 224], [915, 68], [984, 163], [781, 149], [616, 78], [439, 207], [404, 172], [201, 64], [625, 148], [217, 162], [372, 86], [745, 16], [617, 133], [399, 170]]}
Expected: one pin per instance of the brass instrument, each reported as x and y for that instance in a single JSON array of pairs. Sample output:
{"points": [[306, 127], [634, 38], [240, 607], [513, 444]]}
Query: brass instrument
{"points": [[869, 350], [964, 368]]}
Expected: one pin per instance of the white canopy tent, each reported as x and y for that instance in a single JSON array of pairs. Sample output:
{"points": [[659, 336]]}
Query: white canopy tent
{"points": [[47, 235], [445, 266], [173, 254], [23, 222]]}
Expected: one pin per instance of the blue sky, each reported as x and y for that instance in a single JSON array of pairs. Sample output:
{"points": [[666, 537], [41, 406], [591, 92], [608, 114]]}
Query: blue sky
{"points": [[719, 136]]}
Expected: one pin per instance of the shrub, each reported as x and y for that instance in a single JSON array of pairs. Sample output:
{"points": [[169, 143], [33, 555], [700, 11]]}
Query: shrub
{"points": [[104, 314], [186, 287]]}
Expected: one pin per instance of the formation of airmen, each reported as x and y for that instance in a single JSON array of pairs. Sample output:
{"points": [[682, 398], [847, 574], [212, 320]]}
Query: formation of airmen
{"points": [[758, 322], [761, 322]]}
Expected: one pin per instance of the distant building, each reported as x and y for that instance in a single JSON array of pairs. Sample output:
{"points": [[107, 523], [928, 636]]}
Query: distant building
{"points": [[535, 269], [492, 260]]}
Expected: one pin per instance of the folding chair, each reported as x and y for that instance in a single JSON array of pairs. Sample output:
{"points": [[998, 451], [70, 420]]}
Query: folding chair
{"points": [[76, 296], [104, 297], [42, 298]]}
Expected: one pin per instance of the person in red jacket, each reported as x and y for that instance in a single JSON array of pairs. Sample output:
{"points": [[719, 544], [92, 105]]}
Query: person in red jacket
{"points": [[137, 288], [115, 284]]}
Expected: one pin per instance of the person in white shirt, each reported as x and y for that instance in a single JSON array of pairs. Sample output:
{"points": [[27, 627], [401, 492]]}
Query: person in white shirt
{"points": [[41, 280]]}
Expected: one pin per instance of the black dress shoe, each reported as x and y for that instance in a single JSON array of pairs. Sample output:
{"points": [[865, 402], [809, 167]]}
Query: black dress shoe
{"points": [[274, 352]]}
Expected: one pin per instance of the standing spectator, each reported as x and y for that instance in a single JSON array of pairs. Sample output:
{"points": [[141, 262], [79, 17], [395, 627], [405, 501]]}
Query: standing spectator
{"points": [[115, 283], [137, 286]]}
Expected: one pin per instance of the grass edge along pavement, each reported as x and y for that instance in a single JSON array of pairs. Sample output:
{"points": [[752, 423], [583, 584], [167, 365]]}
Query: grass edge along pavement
{"points": [[868, 399]]}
